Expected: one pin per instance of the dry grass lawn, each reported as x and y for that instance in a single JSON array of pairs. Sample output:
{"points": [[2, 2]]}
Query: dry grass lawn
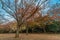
{"points": [[30, 37]]}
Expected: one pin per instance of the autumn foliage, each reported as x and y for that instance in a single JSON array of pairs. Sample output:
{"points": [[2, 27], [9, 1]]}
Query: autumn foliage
{"points": [[29, 15]]}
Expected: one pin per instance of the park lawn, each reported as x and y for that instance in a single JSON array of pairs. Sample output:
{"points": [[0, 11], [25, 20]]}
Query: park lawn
{"points": [[30, 37]]}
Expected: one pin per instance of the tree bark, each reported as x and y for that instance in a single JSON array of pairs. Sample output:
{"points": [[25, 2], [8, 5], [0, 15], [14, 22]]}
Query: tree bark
{"points": [[44, 30], [27, 30], [32, 30], [17, 32]]}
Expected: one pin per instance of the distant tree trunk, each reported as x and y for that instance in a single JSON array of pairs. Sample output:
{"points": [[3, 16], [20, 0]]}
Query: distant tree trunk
{"points": [[44, 30], [21, 29], [26, 29], [32, 30]]}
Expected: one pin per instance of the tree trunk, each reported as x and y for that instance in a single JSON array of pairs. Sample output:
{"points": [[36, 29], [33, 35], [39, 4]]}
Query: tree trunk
{"points": [[32, 30], [27, 30], [44, 30], [17, 32]]}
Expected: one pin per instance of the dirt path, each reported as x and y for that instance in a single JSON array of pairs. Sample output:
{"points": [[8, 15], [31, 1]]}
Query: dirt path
{"points": [[30, 37]]}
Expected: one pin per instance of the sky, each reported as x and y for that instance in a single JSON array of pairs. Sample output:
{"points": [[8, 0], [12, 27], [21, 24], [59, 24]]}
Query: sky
{"points": [[44, 11]]}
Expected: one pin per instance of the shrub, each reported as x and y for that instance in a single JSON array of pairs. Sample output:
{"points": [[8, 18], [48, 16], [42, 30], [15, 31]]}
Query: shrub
{"points": [[55, 27]]}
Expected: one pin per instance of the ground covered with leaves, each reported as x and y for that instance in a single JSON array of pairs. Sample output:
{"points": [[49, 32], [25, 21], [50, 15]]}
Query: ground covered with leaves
{"points": [[30, 37]]}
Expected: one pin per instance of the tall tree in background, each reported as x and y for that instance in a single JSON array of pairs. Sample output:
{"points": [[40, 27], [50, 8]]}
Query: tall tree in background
{"points": [[21, 13]]}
